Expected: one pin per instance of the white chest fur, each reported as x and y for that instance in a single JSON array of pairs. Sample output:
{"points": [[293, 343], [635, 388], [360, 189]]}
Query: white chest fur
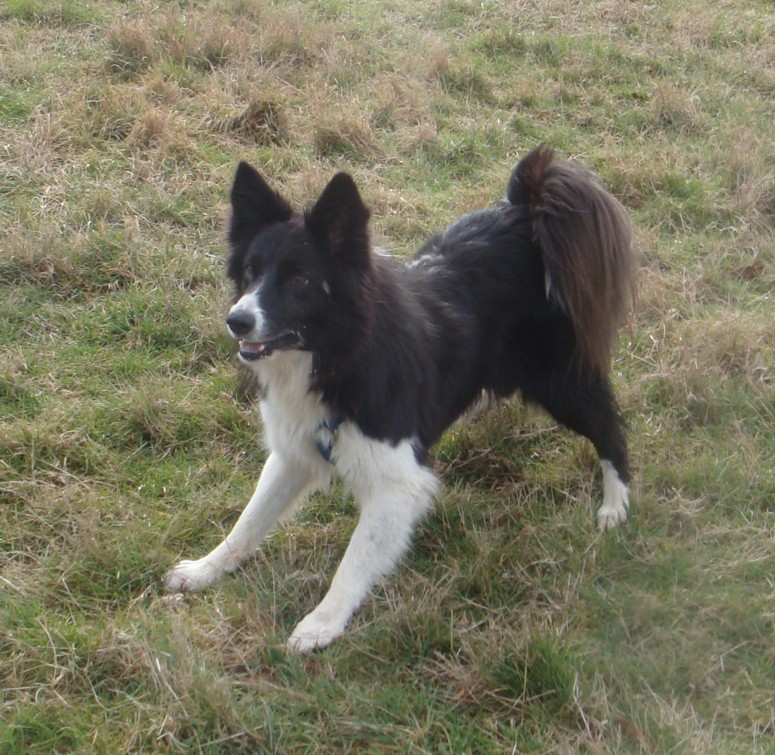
{"points": [[291, 413]]}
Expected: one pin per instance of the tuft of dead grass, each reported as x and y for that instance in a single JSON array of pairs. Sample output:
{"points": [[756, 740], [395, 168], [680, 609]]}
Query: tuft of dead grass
{"points": [[350, 138], [137, 44], [262, 121]]}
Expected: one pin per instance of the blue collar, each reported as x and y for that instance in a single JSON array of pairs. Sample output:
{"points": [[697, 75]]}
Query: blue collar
{"points": [[325, 436]]}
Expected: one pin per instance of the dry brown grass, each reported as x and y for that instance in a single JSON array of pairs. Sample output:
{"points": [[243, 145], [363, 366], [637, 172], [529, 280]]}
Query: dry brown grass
{"points": [[139, 43]]}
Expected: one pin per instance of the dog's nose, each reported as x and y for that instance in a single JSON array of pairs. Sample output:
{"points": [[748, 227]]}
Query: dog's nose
{"points": [[240, 323]]}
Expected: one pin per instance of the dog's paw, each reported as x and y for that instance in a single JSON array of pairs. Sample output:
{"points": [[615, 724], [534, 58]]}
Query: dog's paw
{"points": [[314, 632], [616, 499], [190, 576], [611, 516]]}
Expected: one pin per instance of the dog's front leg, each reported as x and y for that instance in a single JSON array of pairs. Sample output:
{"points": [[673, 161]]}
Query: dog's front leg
{"points": [[389, 511], [281, 486]]}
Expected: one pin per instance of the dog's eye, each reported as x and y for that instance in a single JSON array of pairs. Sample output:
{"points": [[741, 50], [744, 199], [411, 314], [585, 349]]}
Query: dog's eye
{"points": [[247, 276], [300, 280]]}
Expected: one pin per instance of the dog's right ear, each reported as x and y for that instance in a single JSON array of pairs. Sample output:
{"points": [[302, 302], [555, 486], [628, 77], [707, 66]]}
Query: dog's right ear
{"points": [[254, 206]]}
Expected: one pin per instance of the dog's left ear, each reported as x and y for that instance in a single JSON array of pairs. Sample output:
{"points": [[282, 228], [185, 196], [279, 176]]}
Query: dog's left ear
{"points": [[339, 220]]}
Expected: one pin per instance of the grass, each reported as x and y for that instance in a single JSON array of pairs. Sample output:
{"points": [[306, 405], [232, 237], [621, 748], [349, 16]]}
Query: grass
{"points": [[128, 437]]}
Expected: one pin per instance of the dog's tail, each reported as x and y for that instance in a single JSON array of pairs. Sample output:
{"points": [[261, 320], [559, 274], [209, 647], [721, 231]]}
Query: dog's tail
{"points": [[585, 239]]}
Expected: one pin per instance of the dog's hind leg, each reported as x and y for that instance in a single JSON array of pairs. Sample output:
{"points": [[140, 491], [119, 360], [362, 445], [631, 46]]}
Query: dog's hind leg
{"points": [[589, 408], [282, 485], [392, 497]]}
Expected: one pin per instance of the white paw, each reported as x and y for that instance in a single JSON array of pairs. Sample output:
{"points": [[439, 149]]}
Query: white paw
{"points": [[314, 632], [190, 576], [616, 499], [609, 517]]}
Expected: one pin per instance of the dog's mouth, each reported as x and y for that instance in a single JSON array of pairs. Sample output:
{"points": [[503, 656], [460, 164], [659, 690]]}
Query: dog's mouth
{"points": [[252, 350]]}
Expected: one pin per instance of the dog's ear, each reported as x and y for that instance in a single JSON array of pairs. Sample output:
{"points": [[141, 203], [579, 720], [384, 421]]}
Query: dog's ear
{"points": [[340, 220], [254, 205]]}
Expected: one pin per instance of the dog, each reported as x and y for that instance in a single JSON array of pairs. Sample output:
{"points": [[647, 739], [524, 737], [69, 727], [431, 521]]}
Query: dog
{"points": [[363, 362]]}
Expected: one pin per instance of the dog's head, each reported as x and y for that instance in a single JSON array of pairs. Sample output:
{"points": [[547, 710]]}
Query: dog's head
{"points": [[302, 279]]}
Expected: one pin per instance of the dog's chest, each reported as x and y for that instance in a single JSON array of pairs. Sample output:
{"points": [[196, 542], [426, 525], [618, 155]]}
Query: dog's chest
{"points": [[296, 421]]}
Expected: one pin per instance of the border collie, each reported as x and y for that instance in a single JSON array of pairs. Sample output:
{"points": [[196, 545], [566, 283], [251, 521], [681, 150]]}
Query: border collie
{"points": [[364, 362]]}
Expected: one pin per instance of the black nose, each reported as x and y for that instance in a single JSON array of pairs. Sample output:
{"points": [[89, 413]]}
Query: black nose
{"points": [[240, 323]]}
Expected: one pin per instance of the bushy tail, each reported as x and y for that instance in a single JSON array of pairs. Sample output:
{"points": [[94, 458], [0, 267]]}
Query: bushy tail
{"points": [[586, 241]]}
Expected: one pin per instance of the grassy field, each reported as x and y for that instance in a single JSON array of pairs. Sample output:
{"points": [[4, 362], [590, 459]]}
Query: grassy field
{"points": [[127, 437]]}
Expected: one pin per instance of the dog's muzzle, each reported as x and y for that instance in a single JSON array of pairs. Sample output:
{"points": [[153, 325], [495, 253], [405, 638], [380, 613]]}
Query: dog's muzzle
{"points": [[241, 324]]}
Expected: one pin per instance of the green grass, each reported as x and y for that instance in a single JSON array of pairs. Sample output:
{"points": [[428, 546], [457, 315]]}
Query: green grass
{"points": [[128, 439]]}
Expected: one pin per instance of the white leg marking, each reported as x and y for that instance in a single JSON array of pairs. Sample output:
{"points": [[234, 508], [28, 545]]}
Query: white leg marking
{"points": [[616, 498], [393, 491], [282, 484]]}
